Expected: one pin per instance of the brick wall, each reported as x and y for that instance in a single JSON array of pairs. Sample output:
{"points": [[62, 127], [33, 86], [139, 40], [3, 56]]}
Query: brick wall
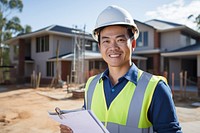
{"points": [[156, 57], [156, 40], [21, 61], [156, 64], [66, 69]]}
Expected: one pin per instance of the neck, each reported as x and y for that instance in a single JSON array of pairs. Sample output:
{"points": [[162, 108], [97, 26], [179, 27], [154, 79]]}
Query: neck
{"points": [[117, 72]]}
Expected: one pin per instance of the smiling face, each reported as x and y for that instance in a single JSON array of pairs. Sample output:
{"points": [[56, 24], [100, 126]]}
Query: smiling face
{"points": [[115, 46]]}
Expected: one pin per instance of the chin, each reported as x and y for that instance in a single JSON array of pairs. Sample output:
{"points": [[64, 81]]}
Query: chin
{"points": [[115, 65], [119, 64]]}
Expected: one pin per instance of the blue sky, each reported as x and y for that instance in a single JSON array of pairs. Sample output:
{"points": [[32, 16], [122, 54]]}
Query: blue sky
{"points": [[41, 13]]}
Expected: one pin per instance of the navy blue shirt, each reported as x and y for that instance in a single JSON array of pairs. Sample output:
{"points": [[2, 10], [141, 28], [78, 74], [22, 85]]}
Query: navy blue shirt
{"points": [[161, 114]]}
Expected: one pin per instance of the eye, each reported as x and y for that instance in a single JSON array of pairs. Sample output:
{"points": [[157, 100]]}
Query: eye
{"points": [[121, 40], [105, 41]]}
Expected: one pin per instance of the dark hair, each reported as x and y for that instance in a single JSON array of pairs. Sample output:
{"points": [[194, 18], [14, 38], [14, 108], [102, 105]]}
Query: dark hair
{"points": [[129, 30], [99, 37], [98, 31], [130, 33]]}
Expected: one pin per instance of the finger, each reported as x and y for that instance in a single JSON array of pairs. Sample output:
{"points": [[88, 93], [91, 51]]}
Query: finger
{"points": [[65, 129], [63, 126]]}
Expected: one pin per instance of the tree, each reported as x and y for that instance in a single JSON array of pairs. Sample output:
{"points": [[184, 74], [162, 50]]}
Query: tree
{"points": [[10, 25], [196, 20]]}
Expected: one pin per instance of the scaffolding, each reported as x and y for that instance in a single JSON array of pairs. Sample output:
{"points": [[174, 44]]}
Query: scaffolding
{"points": [[78, 62]]}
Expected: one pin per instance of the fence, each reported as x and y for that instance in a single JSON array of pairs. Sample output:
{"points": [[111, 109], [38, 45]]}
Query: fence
{"points": [[183, 84]]}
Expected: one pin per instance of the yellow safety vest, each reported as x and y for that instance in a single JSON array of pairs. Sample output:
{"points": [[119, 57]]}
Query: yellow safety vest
{"points": [[128, 112]]}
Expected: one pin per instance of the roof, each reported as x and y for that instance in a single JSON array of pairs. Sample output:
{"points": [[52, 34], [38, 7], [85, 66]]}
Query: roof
{"points": [[195, 47], [188, 50], [58, 28], [162, 25], [53, 29], [136, 21], [61, 56], [63, 29]]}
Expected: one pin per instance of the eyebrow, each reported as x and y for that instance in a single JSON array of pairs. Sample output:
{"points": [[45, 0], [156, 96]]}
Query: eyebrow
{"points": [[105, 37], [121, 36]]}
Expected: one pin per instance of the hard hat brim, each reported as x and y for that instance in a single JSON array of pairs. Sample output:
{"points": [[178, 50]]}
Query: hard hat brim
{"points": [[133, 26]]}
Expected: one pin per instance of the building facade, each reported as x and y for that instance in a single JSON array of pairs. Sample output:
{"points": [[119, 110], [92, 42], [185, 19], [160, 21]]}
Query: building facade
{"points": [[162, 47], [170, 48]]}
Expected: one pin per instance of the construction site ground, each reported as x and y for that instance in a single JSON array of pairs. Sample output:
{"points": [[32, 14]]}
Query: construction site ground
{"points": [[25, 110]]}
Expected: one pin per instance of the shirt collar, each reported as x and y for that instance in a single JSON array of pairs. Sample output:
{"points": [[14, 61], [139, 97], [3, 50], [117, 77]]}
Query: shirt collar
{"points": [[105, 74], [131, 75]]}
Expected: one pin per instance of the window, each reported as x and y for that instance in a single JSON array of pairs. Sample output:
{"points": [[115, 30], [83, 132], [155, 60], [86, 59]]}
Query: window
{"points": [[187, 40], [88, 45], [142, 40], [97, 65], [50, 69], [42, 44], [92, 46]]}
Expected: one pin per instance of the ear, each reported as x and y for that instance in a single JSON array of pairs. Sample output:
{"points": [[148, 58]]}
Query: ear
{"points": [[133, 43]]}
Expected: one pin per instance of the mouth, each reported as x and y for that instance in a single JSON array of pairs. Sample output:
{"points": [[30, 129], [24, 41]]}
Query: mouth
{"points": [[114, 55]]}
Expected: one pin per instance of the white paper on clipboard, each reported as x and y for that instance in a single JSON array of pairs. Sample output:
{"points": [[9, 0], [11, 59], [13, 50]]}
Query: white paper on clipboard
{"points": [[81, 121]]}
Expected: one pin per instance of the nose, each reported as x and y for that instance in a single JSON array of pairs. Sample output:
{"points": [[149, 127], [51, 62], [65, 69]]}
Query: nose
{"points": [[114, 44]]}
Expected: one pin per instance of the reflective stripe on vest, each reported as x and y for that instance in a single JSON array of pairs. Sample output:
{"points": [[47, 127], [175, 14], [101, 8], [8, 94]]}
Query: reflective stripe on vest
{"points": [[134, 108], [91, 89], [116, 128]]}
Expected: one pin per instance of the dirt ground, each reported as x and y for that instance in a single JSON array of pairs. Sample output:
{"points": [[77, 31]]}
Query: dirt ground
{"points": [[25, 110]]}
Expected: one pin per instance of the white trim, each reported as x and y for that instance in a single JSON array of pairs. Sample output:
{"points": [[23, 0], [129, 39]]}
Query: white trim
{"points": [[151, 51], [171, 29], [50, 27], [180, 53], [139, 57], [67, 56]]}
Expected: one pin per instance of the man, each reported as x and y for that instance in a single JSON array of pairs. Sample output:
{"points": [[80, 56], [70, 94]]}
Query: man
{"points": [[124, 98]]}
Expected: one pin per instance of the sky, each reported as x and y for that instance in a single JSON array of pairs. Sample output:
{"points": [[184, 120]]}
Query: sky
{"points": [[70, 13]]}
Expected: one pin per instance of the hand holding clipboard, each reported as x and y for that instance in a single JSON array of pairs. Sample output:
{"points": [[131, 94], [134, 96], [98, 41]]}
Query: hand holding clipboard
{"points": [[80, 121]]}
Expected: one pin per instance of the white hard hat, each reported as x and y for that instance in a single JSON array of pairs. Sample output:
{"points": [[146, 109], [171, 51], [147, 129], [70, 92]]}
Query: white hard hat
{"points": [[114, 15]]}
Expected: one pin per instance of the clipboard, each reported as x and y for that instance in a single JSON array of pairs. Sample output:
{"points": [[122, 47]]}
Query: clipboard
{"points": [[79, 120]]}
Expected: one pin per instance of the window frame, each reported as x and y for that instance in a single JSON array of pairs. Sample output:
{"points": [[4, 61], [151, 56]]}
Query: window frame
{"points": [[142, 40], [42, 44], [50, 69]]}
